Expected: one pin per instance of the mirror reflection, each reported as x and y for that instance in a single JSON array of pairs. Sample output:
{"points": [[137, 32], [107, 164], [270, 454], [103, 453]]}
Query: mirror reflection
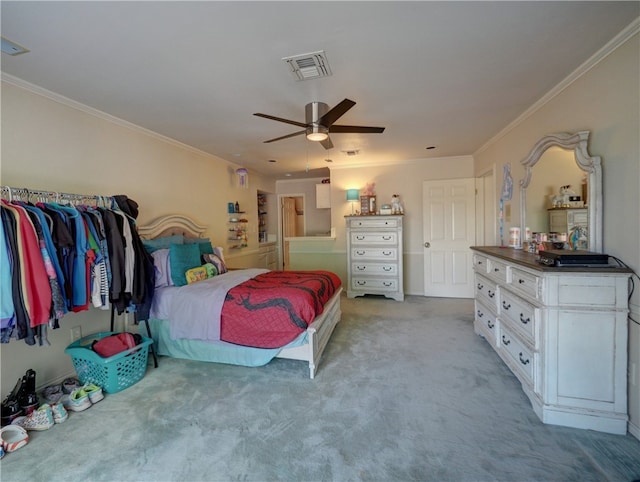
{"points": [[556, 197]]}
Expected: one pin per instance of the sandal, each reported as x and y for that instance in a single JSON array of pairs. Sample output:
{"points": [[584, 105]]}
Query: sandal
{"points": [[13, 437]]}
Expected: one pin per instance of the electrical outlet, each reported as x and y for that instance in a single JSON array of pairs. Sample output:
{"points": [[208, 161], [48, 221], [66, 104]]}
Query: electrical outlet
{"points": [[76, 333]]}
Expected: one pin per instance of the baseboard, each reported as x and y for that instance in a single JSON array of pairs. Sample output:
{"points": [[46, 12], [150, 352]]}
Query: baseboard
{"points": [[634, 430]]}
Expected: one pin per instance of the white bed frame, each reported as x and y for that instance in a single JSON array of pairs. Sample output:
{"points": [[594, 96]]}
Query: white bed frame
{"points": [[318, 332]]}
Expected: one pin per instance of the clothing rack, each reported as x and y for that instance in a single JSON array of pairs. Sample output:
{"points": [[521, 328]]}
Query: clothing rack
{"points": [[30, 195], [35, 195]]}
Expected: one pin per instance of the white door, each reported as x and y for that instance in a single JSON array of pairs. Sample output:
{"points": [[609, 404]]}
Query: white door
{"points": [[449, 231]]}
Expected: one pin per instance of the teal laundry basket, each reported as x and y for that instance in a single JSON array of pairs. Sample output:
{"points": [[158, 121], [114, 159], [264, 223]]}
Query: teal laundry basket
{"points": [[112, 374]]}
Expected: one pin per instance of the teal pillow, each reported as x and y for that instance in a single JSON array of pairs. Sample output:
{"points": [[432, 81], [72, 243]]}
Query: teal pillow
{"points": [[205, 248], [152, 245], [183, 257]]}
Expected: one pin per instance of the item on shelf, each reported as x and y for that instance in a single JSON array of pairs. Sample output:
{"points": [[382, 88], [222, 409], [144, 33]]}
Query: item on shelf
{"points": [[237, 207]]}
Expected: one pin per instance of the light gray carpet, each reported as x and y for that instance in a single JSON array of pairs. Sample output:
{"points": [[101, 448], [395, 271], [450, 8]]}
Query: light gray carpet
{"points": [[405, 391]]}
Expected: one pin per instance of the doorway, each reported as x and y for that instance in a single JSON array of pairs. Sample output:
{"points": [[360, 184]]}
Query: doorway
{"points": [[292, 223]]}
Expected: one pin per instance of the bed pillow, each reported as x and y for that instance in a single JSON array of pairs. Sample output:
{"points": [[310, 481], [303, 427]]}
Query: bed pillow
{"points": [[218, 250], [200, 273], [215, 260], [152, 245], [183, 257], [204, 243], [162, 268]]}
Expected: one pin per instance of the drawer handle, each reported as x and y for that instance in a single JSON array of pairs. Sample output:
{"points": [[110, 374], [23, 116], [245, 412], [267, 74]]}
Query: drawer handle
{"points": [[491, 294], [496, 269], [522, 319], [387, 283], [360, 253], [489, 324], [506, 306], [522, 360], [361, 268], [361, 283], [360, 237], [480, 314], [387, 253], [387, 268], [479, 262], [506, 342], [480, 286], [387, 238], [521, 281]]}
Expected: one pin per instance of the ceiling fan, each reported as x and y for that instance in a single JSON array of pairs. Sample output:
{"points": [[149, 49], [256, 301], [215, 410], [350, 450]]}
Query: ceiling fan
{"points": [[319, 122]]}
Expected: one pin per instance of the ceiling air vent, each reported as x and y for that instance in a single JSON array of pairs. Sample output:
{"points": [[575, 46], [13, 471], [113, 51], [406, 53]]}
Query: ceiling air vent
{"points": [[308, 66]]}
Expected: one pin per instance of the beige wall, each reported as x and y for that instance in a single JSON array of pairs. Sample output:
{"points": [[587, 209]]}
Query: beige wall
{"points": [[49, 145], [606, 102], [406, 180]]}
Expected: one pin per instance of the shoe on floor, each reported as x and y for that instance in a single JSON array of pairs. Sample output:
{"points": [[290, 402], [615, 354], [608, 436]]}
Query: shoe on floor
{"points": [[94, 392], [70, 384], [76, 401], [59, 412], [52, 394], [40, 419], [12, 437]]}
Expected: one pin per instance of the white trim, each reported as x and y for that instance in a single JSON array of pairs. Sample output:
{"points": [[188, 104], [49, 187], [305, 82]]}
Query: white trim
{"points": [[611, 46], [634, 430], [406, 161]]}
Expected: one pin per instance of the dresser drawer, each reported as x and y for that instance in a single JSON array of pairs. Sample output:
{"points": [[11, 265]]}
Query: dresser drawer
{"points": [[497, 270], [521, 356], [522, 316], [480, 263], [374, 253], [374, 269], [526, 283], [390, 238], [373, 222], [487, 291], [374, 284], [487, 323]]}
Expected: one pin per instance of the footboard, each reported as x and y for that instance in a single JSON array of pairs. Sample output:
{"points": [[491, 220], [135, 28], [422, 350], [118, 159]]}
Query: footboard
{"points": [[318, 334]]}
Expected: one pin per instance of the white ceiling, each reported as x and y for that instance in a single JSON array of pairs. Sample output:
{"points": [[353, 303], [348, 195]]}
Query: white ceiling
{"points": [[449, 74]]}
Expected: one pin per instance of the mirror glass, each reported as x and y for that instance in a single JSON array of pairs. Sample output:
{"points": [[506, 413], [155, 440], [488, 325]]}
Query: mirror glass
{"points": [[562, 191], [557, 167]]}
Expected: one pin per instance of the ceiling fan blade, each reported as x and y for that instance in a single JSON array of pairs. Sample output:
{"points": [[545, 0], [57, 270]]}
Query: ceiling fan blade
{"points": [[356, 130], [280, 119], [327, 144], [335, 113], [286, 137]]}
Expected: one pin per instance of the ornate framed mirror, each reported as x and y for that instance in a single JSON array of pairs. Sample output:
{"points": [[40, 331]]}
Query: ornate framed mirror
{"points": [[590, 165]]}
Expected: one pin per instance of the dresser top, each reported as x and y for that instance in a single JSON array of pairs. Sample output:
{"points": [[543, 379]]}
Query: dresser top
{"points": [[529, 260]]}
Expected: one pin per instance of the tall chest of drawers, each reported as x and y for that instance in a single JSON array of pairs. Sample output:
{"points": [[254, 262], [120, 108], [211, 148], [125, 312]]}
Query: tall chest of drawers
{"points": [[561, 331], [374, 256]]}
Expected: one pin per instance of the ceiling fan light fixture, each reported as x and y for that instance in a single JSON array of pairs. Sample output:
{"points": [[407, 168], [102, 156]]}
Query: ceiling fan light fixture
{"points": [[317, 133]]}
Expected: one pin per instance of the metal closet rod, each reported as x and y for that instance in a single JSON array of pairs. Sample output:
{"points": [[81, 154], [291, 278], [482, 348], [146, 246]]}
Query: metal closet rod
{"points": [[22, 193]]}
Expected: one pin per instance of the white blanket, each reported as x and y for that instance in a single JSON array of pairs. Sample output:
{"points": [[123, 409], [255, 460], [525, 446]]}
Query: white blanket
{"points": [[194, 310]]}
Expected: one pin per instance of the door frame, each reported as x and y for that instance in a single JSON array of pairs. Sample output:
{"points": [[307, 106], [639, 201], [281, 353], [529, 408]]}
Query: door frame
{"points": [[281, 246]]}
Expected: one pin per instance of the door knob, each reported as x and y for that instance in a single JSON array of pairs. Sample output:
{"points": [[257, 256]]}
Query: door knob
{"points": [[427, 244]]}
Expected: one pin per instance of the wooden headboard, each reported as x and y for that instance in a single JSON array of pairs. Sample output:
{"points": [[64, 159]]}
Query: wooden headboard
{"points": [[170, 225]]}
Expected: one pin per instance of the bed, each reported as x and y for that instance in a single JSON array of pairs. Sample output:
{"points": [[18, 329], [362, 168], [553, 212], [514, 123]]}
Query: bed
{"points": [[308, 345]]}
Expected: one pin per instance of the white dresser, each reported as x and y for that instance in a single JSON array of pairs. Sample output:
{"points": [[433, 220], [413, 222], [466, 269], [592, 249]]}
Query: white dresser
{"points": [[564, 220], [561, 331], [374, 256]]}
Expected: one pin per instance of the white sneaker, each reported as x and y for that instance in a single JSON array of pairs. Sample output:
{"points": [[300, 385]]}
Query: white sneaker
{"points": [[76, 401]]}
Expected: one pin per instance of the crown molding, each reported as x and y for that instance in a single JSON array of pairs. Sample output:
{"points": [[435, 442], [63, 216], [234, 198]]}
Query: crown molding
{"points": [[632, 29], [61, 99]]}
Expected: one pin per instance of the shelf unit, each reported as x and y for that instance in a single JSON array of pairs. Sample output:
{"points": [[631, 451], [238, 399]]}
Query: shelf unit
{"points": [[237, 230], [262, 217]]}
